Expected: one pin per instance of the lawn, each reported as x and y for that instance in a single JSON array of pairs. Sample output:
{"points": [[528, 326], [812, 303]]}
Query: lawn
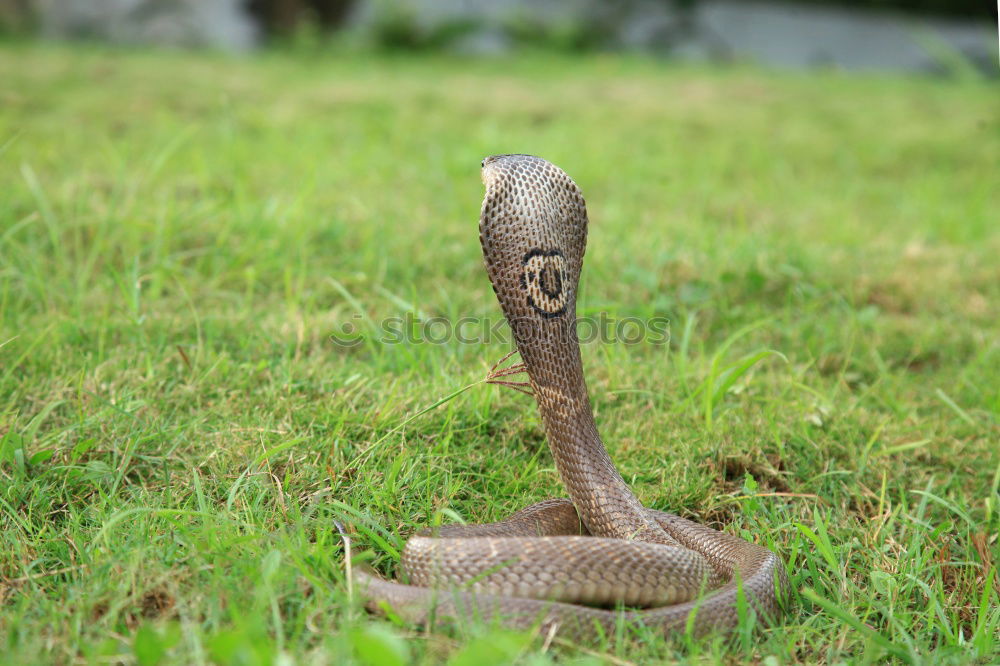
{"points": [[182, 238]]}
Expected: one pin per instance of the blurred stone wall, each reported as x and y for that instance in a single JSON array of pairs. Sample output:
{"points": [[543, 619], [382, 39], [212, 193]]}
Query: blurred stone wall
{"points": [[222, 24], [776, 33], [793, 34], [284, 17]]}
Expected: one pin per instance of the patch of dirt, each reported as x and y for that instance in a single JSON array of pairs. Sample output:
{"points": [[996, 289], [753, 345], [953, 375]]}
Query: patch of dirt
{"points": [[981, 541], [156, 603], [929, 360], [716, 518], [893, 296], [956, 583], [769, 472], [99, 610]]}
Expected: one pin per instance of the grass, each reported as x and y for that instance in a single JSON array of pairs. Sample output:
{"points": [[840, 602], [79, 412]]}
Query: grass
{"points": [[180, 236]]}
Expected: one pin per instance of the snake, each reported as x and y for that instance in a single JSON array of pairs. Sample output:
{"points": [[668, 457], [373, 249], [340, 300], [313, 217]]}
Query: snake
{"points": [[598, 560]]}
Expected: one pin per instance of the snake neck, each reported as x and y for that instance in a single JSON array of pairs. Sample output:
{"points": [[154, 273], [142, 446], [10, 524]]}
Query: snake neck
{"points": [[607, 506]]}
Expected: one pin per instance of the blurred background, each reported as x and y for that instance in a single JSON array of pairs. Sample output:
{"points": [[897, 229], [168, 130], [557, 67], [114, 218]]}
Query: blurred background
{"points": [[199, 197], [903, 35]]}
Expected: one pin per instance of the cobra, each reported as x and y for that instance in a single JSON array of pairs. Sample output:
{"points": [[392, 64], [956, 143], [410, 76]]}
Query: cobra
{"points": [[580, 565]]}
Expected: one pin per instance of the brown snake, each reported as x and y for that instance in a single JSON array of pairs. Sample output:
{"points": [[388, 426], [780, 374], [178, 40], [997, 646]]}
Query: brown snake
{"points": [[562, 563]]}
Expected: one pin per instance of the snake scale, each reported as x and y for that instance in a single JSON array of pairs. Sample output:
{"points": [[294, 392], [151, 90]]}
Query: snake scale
{"points": [[581, 565]]}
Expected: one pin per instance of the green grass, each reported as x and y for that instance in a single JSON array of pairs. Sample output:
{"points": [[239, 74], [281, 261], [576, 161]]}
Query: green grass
{"points": [[180, 235]]}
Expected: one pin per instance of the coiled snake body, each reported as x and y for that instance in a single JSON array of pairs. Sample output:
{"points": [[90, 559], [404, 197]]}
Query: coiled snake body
{"points": [[567, 563]]}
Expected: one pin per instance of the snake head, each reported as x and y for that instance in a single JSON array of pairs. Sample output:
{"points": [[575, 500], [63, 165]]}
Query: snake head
{"points": [[533, 229]]}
